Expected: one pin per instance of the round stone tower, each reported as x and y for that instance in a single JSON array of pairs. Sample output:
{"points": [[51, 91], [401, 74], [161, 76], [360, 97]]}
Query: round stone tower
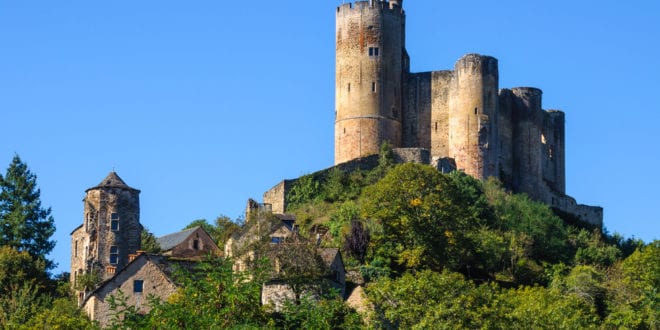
{"points": [[527, 141], [473, 109], [370, 47], [111, 229]]}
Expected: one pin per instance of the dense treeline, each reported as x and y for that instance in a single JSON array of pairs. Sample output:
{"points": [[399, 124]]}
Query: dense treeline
{"points": [[431, 250]]}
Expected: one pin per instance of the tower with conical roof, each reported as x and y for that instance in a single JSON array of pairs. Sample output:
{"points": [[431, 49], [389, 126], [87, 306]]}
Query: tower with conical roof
{"points": [[110, 231]]}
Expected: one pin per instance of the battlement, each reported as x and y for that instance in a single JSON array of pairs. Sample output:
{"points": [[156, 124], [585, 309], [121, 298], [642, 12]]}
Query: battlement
{"points": [[476, 62], [385, 6]]}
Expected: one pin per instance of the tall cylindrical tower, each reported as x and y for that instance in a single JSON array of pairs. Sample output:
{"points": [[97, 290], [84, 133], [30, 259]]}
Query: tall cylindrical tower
{"points": [[112, 225], [370, 46], [473, 109], [527, 141]]}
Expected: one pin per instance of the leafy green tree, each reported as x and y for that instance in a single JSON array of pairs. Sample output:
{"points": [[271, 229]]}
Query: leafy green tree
{"points": [[62, 313], [148, 241], [18, 268], [425, 219], [546, 232], [329, 312], [540, 308], [212, 296], [593, 250], [633, 294], [17, 306], [24, 224], [430, 300]]}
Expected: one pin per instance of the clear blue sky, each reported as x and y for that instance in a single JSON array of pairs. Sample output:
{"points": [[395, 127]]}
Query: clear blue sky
{"points": [[203, 104]]}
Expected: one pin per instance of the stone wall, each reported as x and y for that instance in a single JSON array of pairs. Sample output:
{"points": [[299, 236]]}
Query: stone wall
{"points": [[79, 250], [155, 282], [100, 204], [276, 196], [369, 70]]}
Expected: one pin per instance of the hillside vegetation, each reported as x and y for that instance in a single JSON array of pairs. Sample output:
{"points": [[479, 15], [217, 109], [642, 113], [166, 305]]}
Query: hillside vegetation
{"points": [[431, 250]]}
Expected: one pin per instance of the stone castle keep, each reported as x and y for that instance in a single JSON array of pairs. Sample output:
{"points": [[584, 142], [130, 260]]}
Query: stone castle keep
{"points": [[460, 114]]}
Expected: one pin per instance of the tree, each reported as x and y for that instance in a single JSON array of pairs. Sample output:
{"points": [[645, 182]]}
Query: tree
{"points": [[149, 243], [211, 296], [24, 224], [424, 216], [357, 242]]}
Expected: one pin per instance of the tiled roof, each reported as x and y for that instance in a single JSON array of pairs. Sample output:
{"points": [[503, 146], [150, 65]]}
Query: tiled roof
{"points": [[113, 181], [167, 242]]}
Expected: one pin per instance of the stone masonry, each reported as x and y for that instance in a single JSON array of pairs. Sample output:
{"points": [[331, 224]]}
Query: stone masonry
{"points": [[110, 231], [458, 114]]}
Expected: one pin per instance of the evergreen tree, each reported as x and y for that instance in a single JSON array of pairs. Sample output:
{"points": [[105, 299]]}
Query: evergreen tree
{"points": [[24, 224]]}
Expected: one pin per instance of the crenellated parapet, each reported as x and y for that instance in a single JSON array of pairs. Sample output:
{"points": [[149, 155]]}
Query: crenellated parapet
{"points": [[384, 6]]}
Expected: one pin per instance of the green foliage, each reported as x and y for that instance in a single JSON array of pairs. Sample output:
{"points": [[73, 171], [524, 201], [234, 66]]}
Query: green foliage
{"points": [[425, 216], [18, 305], [123, 315], [148, 241], [63, 314], [24, 224], [341, 218], [18, 269], [541, 308], [305, 189], [212, 296], [428, 299], [632, 288], [546, 232], [329, 312], [593, 250]]}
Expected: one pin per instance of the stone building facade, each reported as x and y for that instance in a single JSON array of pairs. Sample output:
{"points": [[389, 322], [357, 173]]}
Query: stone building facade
{"points": [[110, 231], [460, 114], [146, 275]]}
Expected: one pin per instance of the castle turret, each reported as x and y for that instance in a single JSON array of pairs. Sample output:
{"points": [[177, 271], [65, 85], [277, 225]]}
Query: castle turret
{"points": [[110, 231], [527, 141], [370, 48], [473, 109]]}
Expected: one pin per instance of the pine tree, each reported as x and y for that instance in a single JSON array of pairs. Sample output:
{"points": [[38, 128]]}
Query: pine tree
{"points": [[24, 224]]}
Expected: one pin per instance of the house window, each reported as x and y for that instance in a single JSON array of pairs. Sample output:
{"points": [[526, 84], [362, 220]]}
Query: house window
{"points": [[276, 240], [374, 51], [137, 286], [114, 221], [196, 244], [114, 255]]}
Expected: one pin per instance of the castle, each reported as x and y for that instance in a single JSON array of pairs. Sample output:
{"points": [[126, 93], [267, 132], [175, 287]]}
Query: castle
{"points": [[459, 114]]}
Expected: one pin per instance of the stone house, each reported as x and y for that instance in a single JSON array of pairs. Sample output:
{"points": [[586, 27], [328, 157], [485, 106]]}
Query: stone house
{"points": [[276, 236], [190, 243], [145, 275]]}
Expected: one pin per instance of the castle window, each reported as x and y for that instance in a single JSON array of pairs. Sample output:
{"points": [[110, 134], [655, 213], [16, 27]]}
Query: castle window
{"points": [[75, 250], [137, 286], [349, 87], [373, 87], [114, 221], [114, 255], [374, 51], [476, 111]]}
